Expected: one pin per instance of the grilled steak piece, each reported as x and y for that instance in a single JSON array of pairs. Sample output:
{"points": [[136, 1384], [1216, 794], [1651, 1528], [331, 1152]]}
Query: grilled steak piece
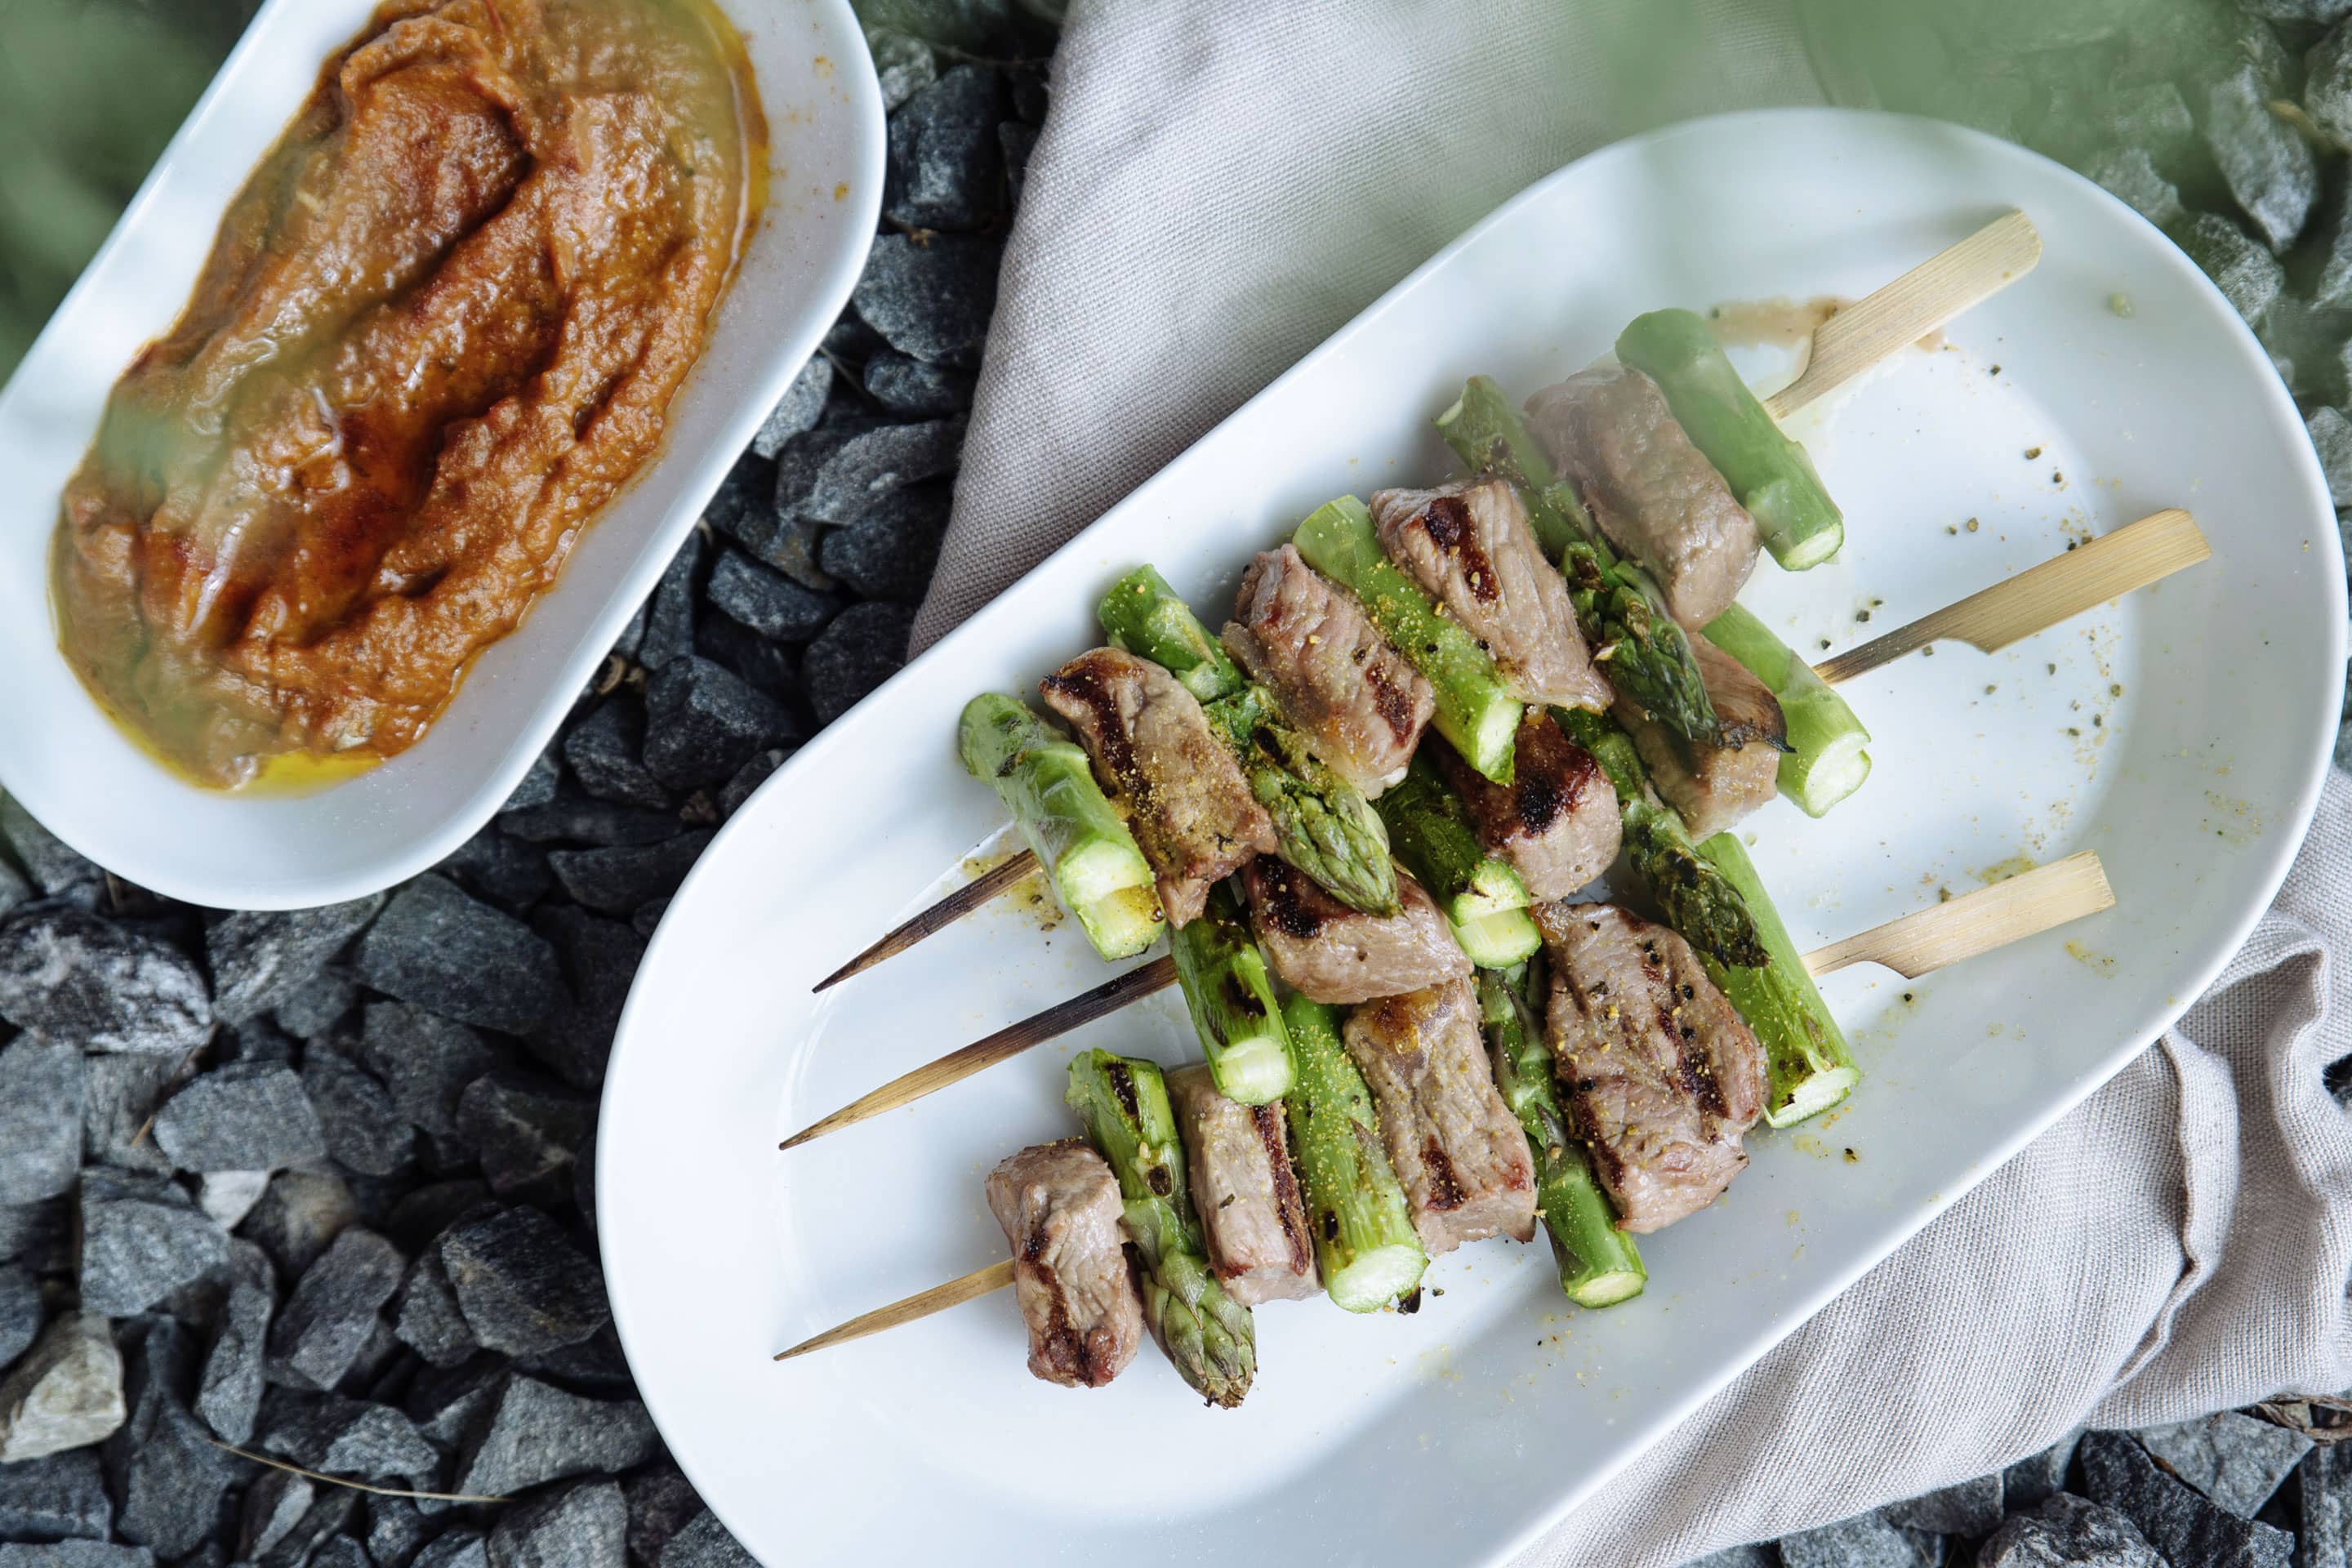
{"points": [[1333, 954], [1247, 1196], [1660, 1075], [1184, 795], [1060, 1208], [1715, 786], [1653, 494], [1470, 545], [1456, 1147], [1355, 699], [1557, 823]]}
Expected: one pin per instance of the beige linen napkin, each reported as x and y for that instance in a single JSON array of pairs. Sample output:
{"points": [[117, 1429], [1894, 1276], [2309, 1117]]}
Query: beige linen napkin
{"points": [[1221, 183]]}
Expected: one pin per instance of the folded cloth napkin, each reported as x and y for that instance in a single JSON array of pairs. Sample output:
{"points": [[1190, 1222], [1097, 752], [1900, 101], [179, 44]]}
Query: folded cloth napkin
{"points": [[1218, 187]]}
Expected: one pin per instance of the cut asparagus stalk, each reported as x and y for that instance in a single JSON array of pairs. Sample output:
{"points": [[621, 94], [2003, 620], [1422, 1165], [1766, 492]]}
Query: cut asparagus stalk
{"points": [[1048, 785], [1618, 605], [1690, 891], [1771, 474], [1430, 831], [1144, 615], [1825, 760], [1475, 709], [1499, 939], [1364, 1239], [1230, 993], [1327, 828], [1599, 1264], [1209, 1335], [1804, 1050]]}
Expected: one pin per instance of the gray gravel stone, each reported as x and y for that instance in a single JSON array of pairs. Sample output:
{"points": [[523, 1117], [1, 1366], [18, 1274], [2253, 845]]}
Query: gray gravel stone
{"points": [[661, 1500], [1971, 1508], [865, 646], [255, 1040], [606, 751], [247, 1116], [2297, 10], [499, 867], [2131, 177], [341, 1437], [525, 1129], [1865, 1541], [533, 1434], [905, 386], [63, 1392], [2327, 83], [670, 612], [426, 1318], [2176, 1520], [396, 1529], [53, 866], [166, 1471], [273, 1506], [446, 1403], [889, 551], [229, 1392], [319, 1003], [331, 1314], [572, 820], [120, 1094], [60, 1497], [142, 1239], [77, 1554], [1018, 140], [101, 987], [947, 168], [460, 958], [38, 1233], [932, 300], [14, 888], [600, 959], [745, 509], [905, 65], [228, 1196], [768, 602], [458, 1548], [260, 958], [772, 667], [584, 1526], [298, 1216], [425, 1061], [341, 1552], [2236, 1460], [705, 1543], [703, 721], [747, 778], [2249, 277], [615, 881], [2331, 438], [583, 1179], [2269, 169], [2323, 1507], [524, 1287], [797, 409], [422, 1214], [874, 463], [41, 1087], [2067, 1532], [363, 1129], [21, 1312], [538, 783]]}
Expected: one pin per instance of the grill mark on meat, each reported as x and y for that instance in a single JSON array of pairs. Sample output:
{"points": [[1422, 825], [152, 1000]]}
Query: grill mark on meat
{"points": [[1391, 702], [1288, 1204], [1446, 1192], [1446, 520], [1540, 800], [1288, 911], [1065, 1346], [1086, 687]]}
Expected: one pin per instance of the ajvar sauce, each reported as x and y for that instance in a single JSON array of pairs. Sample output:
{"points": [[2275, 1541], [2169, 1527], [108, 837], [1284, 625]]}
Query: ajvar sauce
{"points": [[440, 327]]}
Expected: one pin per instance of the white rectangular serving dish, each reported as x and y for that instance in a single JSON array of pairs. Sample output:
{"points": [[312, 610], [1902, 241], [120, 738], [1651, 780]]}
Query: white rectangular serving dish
{"points": [[83, 777]]}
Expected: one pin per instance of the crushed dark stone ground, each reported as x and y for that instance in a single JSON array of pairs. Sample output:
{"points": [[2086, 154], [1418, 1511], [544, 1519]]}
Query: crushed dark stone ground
{"points": [[308, 1186]]}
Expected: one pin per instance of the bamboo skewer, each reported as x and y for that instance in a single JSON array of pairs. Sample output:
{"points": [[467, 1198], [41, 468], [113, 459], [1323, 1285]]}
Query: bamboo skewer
{"points": [[997, 879], [2041, 596], [1888, 320], [1912, 946], [1873, 328]]}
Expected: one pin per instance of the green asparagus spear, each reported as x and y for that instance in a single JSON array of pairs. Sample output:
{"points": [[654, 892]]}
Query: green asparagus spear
{"points": [[1230, 994], [1499, 939], [1208, 1335], [1430, 832], [1599, 1264], [1475, 709], [1771, 474], [1618, 605], [1825, 762], [1046, 783], [1327, 828], [1364, 1240], [1143, 614], [1693, 896], [1804, 1050]]}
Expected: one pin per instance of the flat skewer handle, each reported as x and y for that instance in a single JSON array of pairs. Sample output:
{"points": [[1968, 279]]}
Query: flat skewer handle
{"points": [[2040, 597], [1924, 298], [2026, 905]]}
